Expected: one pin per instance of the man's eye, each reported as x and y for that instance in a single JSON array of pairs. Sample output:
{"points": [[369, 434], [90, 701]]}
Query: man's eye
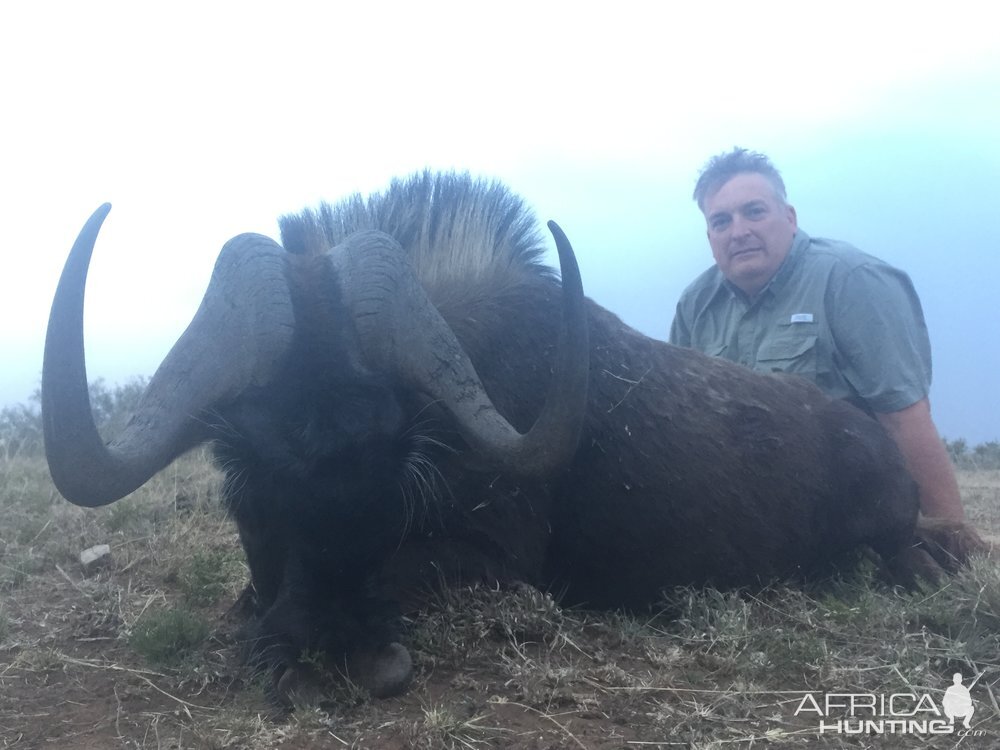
{"points": [[755, 212], [719, 223]]}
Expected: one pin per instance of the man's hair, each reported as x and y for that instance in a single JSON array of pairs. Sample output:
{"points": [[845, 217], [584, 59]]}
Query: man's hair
{"points": [[723, 167]]}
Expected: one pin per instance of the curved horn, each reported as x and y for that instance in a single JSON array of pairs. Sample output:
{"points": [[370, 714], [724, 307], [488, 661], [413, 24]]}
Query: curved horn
{"points": [[402, 332], [241, 331]]}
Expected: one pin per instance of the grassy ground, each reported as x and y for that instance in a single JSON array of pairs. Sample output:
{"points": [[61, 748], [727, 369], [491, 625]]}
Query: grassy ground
{"points": [[140, 654]]}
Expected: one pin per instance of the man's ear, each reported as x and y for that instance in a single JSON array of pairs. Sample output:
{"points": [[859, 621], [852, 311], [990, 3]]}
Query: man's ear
{"points": [[792, 217]]}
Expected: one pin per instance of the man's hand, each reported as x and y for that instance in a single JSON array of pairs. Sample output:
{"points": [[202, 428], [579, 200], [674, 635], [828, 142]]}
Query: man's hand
{"points": [[950, 543]]}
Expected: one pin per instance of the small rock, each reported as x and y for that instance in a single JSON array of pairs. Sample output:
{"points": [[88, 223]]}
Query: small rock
{"points": [[95, 557]]}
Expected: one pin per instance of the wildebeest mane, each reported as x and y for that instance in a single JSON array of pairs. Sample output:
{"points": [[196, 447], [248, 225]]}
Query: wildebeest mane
{"points": [[453, 227]]}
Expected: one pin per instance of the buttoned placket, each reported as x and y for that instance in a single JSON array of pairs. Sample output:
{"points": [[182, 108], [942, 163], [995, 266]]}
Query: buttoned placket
{"points": [[759, 311], [748, 328]]}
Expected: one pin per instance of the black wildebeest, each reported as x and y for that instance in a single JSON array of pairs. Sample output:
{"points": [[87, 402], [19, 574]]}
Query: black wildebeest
{"points": [[352, 384]]}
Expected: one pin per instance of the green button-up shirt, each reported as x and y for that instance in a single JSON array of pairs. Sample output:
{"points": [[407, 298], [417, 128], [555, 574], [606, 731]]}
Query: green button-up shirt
{"points": [[849, 322]]}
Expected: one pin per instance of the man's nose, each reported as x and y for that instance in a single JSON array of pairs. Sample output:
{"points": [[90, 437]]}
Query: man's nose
{"points": [[740, 227]]}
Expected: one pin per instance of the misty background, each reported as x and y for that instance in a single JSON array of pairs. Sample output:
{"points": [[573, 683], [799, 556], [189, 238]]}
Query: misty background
{"points": [[202, 121]]}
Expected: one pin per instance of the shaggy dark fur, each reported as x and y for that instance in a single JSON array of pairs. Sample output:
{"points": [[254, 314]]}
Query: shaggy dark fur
{"points": [[353, 495]]}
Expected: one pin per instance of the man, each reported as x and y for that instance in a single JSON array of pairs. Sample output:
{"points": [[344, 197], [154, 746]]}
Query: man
{"points": [[780, 300]]}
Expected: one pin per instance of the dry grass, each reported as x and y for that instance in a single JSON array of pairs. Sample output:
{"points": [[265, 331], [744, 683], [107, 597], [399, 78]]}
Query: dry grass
{"points": [[140, 655]]}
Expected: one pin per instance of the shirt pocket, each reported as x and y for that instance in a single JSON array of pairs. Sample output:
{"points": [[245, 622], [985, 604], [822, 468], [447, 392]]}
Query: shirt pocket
{"points": [[791, 351]]}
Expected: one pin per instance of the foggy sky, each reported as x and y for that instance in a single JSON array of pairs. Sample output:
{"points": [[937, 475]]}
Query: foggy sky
{"points": [[198, 125]]}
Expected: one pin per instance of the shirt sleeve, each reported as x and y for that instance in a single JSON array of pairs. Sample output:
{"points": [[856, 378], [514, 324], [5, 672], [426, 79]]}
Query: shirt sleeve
{"points": [[881, 336]]}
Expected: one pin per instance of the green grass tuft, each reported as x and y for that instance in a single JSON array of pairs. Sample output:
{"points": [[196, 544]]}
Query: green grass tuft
{"points": [[168, 636], [209, 576]]}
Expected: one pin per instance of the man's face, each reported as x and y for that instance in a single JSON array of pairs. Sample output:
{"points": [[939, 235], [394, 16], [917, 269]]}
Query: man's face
{"points": [[750, 230]]}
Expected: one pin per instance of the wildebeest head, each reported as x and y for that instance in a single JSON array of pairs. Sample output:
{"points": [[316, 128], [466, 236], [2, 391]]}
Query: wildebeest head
{"points": [[241, 336], [316, 362]]}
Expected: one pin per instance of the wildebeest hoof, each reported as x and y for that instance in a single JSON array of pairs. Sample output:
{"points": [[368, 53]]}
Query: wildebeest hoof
{"points": [[950, 543], [297, 685], [384, 671]]}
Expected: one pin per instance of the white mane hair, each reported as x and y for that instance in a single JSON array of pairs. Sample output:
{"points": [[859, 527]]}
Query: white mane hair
{"points": [[454, 227]]}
